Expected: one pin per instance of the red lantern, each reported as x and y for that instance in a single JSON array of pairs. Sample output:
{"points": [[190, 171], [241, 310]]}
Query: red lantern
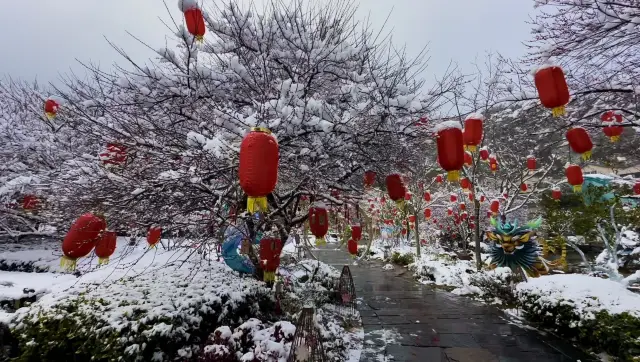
{"points": [[81, 239], [524, 187], [552, 89], [427, 214], [407, 196], [464, 216], [574, 177], [495, 207], [106, 246], [270, 249], [356, 232], [369, 178], [484, 154], [412, 218], [636, 188], [612, 131], [153, 236], [580, 142], [453, 197], [435, 221], [473, 131], [483, 198], [471, 196], [472, 226], [352, 245], [195, 22], [493, 163], [449, 211], [450, 149], [439, 179], [30, 202], [319, 222], [556, 194], [116, 154], [404, 231], [51, 108], [489, 214], [258, 167], [468, 158], [465, 184], [531, 163], [463, 206], [427, 196], [395, 188]]}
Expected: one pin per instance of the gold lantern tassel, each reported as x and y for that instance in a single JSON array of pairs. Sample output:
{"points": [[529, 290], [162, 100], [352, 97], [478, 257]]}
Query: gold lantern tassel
{"points": [[269, 276], [400, 204], [453, 176], [321, 241], [153, 246], [586, 156], [614, 139], [50, 115], [558, 111], [104, 261], [472, 148], [199, 38], [255, 204], [577, 188], [67, 263]]}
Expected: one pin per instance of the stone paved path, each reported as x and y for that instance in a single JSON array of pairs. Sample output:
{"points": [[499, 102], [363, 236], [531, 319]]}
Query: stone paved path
{"points": [[406, 321]]}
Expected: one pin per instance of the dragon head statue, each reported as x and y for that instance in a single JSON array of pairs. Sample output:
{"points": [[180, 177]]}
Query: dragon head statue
{"points": [[512, 245]]}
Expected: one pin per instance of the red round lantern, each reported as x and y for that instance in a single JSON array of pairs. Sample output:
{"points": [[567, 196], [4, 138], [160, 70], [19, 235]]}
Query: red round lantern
{"points": [[450, 148], [483, 198], [494, 207], [81, 239], [352, 245], [30, 202], [106, 246], [473, 131], [270, 249], [427, 214], [531, 163], [153, 236], [319, 222], [493, 163], [484, 154], [463, 206], [471, 196], [51, 108], [552, 89], [465, 184], [453, 197], [427, 196], [356, 232], [524, 187], [369, 179], [468, 158], [556, 194], [580, 142], [258, 169], [574, 177], [449, 211], [439, 179], [395, 188], [404, 231], [612, 130], [636, 188], [412, 218], [472, 226], [464, 216], [195, 22], [407, 196]]}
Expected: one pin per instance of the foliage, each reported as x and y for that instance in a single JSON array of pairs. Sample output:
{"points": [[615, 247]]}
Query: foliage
{"points": [[498, 284], [402, 259]]}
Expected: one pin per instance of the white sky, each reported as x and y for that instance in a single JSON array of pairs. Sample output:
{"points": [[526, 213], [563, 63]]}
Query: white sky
{"points": [[42, 38]]}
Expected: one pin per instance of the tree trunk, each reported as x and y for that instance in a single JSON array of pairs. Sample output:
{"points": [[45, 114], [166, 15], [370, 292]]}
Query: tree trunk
{"points": [[477, 234]]}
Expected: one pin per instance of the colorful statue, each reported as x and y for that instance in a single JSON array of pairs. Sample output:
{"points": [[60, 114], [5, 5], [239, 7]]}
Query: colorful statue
{"points": [[233, 237], [517, 248]]}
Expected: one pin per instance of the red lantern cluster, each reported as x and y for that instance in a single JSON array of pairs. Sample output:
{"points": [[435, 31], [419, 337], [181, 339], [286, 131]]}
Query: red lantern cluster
{"points": [[116, 154], [270, 249], [580, 142], [319, 222], [153, 236], [51, 108], [575, 177], [450, 149], [473, 131], [258, 169], [106, 246], [612, 129], [552, 89], [194, 19], [81, 239]]}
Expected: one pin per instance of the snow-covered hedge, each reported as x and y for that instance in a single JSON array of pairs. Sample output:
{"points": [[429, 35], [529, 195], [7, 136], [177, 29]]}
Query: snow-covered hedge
{"points": [[160, 314], [598, 313]]}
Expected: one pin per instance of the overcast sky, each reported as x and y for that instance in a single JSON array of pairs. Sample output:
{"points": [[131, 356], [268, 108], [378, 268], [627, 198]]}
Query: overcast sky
{"points": [[42, 38]]}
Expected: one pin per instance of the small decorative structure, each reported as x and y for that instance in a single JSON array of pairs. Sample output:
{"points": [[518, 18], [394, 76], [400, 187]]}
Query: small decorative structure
{"points": [[258, 167], [307, 342], [51, 108], [81, 239], [106, 246], [319, 222], [450, 148], [580, 142], [347, 290], [473, 131], [369, 179], [193, 17], [575, 177], [552, 88], [153, 236], [270, 257], [611, 129]]}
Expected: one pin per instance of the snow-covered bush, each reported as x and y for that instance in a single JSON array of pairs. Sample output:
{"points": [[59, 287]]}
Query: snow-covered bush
{"points": [[308, 282], [598, 313], [402, 259], [496, 285]]}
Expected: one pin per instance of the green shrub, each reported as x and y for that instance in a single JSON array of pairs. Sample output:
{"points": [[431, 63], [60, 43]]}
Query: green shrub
{"points": [[402, 259]]}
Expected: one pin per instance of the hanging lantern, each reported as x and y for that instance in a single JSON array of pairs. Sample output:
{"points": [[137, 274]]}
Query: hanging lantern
{"points": [[81, 239], [453, 197], [473, 131], [258, 167], [356, 232], [51, 108], [524, 187], [465, 184], [472, 226], [352, 245], [449, 211], [116, 154], [369, 179], [463, 206], [636, 188], [412, 218], [106, 246], [30, 202], [472, 218], [270, 249], [493, 163], [531, 163], [427, 214], [153, 236], [439, 179], [471, 196], [484, 154], [552, 89], [468, 158], [194, 19], [494, 207], [383, 200], [574, 177], [427, 196], [404, 231], [450, 148], [319, 222], [580, 142], [612, 130], [435, 221], [556, 194], [464, 216], [396, 189], [483, 198], [407, 196]]}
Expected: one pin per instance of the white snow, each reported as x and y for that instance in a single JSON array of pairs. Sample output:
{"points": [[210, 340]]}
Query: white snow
{"points": [[479, 116], [447, 125], [185, 5]]}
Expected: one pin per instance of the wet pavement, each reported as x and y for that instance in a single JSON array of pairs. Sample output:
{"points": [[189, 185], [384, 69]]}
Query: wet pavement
{"points": [[406, 321]]}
